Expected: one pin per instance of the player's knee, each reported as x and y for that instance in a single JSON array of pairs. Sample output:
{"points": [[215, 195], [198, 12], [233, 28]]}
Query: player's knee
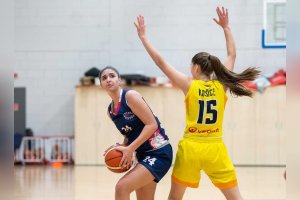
{"points": [[122, 188]]}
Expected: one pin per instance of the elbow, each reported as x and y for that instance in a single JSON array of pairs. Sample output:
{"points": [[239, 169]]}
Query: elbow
{"points": [[233, 55], [155, 126]]}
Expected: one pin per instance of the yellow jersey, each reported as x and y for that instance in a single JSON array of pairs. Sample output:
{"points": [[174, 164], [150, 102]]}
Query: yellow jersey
{"points": [[205, 104]]}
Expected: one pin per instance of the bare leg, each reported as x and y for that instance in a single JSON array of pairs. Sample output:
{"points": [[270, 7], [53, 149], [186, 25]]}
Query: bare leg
{"points": [[177, 191], [133, 180], [146, 192], [232, 193]]}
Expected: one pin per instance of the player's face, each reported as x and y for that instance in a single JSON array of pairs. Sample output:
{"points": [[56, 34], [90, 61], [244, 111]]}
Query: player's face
{"points": [[110, 80]]}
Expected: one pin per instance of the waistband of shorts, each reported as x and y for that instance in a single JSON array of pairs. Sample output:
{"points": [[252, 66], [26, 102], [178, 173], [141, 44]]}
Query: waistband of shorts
{"points": [[206, 139]]}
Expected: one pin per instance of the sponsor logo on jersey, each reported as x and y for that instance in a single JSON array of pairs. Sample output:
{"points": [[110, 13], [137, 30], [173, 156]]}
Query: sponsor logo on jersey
{"points": [[196, 130], [128, 115]]}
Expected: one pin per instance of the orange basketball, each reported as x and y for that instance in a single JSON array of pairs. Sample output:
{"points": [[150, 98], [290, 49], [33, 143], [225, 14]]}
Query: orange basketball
{"points": [[112, 160]]}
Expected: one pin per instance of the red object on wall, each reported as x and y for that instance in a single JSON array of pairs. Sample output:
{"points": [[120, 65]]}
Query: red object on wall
{"points": [[281, 72], [277, 80]]}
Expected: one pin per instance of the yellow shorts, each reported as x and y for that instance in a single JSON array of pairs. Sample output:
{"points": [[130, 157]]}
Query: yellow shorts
{"points": [[209, 155]]}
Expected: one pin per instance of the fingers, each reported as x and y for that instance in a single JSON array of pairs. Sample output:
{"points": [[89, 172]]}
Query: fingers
{"points": [[223, 16], [222, 12], [126, 159], [216, 20], [122, 162], [222, 19], [140, 21], [125, 162], [218, 11], [119, 148], [140, 26], [140, 18]]}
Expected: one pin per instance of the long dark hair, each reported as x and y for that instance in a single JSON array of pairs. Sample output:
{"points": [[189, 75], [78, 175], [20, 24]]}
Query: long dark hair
{"points": [[210, 64]]}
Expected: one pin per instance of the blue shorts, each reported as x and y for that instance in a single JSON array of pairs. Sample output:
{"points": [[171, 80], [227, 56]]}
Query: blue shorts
{"points": [[158, 162]]}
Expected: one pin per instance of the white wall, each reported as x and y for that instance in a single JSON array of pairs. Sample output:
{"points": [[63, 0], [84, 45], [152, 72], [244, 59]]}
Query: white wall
{"points": [[57, 41]]}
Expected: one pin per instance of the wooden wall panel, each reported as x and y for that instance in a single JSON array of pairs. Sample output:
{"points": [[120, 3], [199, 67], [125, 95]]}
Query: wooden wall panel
{"points": [[254, 129]]}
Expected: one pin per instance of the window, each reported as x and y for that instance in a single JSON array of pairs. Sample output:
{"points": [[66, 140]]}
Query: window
{"points": [[274, 32]]}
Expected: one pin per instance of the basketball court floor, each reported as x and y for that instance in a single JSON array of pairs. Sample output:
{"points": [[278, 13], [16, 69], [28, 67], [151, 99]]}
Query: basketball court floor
{"points": [[35, 182]]}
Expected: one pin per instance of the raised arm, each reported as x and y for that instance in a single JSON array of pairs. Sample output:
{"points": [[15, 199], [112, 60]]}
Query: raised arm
{"points": [[178, 78], [230, 44]]}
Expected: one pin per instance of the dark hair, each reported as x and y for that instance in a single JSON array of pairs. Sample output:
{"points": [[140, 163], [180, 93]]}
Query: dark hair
{"points": [[209, 64], [108, 67]]}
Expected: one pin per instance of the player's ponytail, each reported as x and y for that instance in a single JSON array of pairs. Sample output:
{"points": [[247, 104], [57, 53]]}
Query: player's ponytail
{"points": [[233, 81]]}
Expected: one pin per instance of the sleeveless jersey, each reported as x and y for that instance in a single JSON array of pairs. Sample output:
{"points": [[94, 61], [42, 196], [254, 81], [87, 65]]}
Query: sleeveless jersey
{"points": [[205, 104], [131, 126]]}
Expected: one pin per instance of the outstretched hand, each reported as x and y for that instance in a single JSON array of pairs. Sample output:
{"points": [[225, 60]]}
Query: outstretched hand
{"points": [[140, 26], [223, 17]]}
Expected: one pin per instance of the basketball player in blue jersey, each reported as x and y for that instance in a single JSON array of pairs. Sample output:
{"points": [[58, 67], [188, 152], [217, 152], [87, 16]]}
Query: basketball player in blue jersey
{"points": [[143, 135]]}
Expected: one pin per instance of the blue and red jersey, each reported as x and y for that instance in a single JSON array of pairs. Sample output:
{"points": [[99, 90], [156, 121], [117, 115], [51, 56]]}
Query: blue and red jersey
{"points": [[131, 126]]}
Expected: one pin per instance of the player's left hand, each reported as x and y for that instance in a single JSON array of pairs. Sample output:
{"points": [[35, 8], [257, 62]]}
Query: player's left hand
{"points": [[223, 17], [140, 26], [127, 156]]}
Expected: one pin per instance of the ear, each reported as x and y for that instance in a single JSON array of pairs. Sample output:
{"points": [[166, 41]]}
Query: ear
{"points": [[198, 69]]}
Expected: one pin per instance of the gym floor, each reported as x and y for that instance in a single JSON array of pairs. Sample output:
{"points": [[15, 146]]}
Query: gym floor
{"points": [[36, 182]]}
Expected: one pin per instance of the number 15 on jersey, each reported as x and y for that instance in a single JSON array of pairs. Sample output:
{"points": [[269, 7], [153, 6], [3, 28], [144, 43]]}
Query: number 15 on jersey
{"points": [[207, 107]]}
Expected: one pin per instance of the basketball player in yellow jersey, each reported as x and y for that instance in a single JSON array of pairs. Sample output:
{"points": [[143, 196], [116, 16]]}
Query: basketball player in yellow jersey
{"points": [[205, 103], [202, 148]]}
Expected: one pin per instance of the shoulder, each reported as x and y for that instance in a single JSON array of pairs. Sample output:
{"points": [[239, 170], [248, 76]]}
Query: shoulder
{"points": [[191, 81], [195, 84], [132, 96], [192, 85]]}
